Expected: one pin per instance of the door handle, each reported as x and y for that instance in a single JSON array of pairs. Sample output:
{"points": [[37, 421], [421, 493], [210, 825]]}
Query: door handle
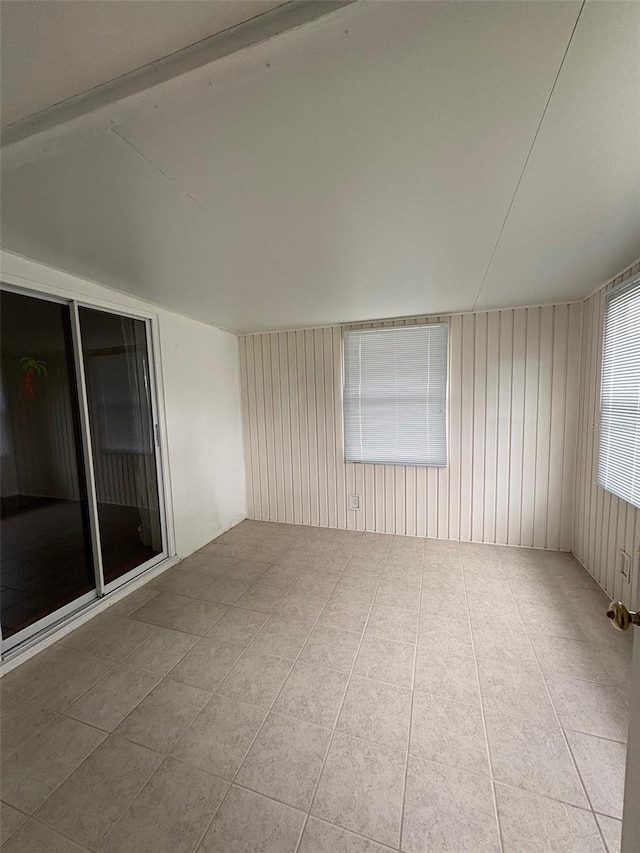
{"points": [[621, 618]]}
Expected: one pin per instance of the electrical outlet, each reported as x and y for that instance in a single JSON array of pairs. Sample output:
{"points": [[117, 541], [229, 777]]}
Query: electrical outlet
{"points": [[354, 501], [625, 564]]}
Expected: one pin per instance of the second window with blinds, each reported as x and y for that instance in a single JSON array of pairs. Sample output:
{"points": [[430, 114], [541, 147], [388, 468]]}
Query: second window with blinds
{"points": [[395, 395]]}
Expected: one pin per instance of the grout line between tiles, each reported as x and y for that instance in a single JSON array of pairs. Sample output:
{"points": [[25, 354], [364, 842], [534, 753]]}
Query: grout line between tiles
{"points": [[413, 683], [482, 714]]}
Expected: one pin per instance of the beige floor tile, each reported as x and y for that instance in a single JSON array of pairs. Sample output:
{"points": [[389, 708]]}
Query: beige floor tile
{"points": [[120, 639], [360, 589], [536, 591], [448, 732], [402, 574], [171, 813], [34, 838], [393, 623], [209, 558], [56, 677], [10, 820], [285, 760], [316, 583], [250, 822], [348, 617], [87, 805], [447, 809], [438, 593], [38, 767], [532, 755], [162, 717], [385, 660], [447, 672], [562, 658], [19, 722], [331, 647], [616, 660], [281, 637], [363, 568], [225, 590], [132, 601], [597, 629], [497, 643], [514, 687], [282, 576], [193, 616], [249, 571], [550, 621], [109, 702], [89, 631], [602, 767], [206, 664], [612, 832], [256, 679], [298, 556], [301, 606], [312, 694], [361, 788], [162, 651], [186, 578], [436, 634], [321, 837], [261, 597], [213, 556], [377, 712], [329, 564], [596, 709], [398, 593], [238, 626], [530, 822], [219, 738]]}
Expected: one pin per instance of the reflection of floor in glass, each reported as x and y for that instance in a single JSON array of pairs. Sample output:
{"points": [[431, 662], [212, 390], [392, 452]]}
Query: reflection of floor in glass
{"points": [[45, 562]]}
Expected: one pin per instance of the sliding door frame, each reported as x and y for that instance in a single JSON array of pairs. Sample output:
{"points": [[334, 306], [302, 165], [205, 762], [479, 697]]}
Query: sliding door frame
{"points": [[51, 293], [87, 450]]}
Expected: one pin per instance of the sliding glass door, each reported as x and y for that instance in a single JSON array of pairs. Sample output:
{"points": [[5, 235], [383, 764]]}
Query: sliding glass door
{"points": [[46, 559], [82, 505], [116, 370]]}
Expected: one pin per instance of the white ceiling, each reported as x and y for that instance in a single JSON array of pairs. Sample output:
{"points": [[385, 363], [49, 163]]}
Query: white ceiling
{"points": [[390, 159], [53, 50]]}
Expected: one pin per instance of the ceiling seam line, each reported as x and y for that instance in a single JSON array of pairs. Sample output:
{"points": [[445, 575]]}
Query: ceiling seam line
{"points": [[164, 174], [528, 157], [145, 66]]}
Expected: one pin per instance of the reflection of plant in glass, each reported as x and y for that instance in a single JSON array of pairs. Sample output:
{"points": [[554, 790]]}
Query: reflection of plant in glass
{"points": [[31, 367]]}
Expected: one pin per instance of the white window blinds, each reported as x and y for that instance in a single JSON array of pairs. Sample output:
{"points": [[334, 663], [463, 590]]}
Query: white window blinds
{"points": [[395, 395], [619, 460]]}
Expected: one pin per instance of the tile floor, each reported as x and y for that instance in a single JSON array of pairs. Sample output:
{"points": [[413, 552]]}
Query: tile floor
{"points": [[299, 689]]}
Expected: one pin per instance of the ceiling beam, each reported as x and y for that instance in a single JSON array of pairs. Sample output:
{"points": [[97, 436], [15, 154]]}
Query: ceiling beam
{"points": [[259, 29]]}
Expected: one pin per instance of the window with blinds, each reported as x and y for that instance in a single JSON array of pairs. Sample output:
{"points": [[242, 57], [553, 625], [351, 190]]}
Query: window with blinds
{"points": [[619, 458], [395, 395]]}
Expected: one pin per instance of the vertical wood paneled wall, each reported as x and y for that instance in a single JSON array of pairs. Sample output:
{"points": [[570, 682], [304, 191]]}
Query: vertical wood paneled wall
{"points": [[513, 403], [603, 523]]}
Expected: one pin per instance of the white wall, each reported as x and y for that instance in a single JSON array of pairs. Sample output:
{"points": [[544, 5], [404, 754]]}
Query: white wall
{"points": [[603, 523], [512, 434], [200, 384]]}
